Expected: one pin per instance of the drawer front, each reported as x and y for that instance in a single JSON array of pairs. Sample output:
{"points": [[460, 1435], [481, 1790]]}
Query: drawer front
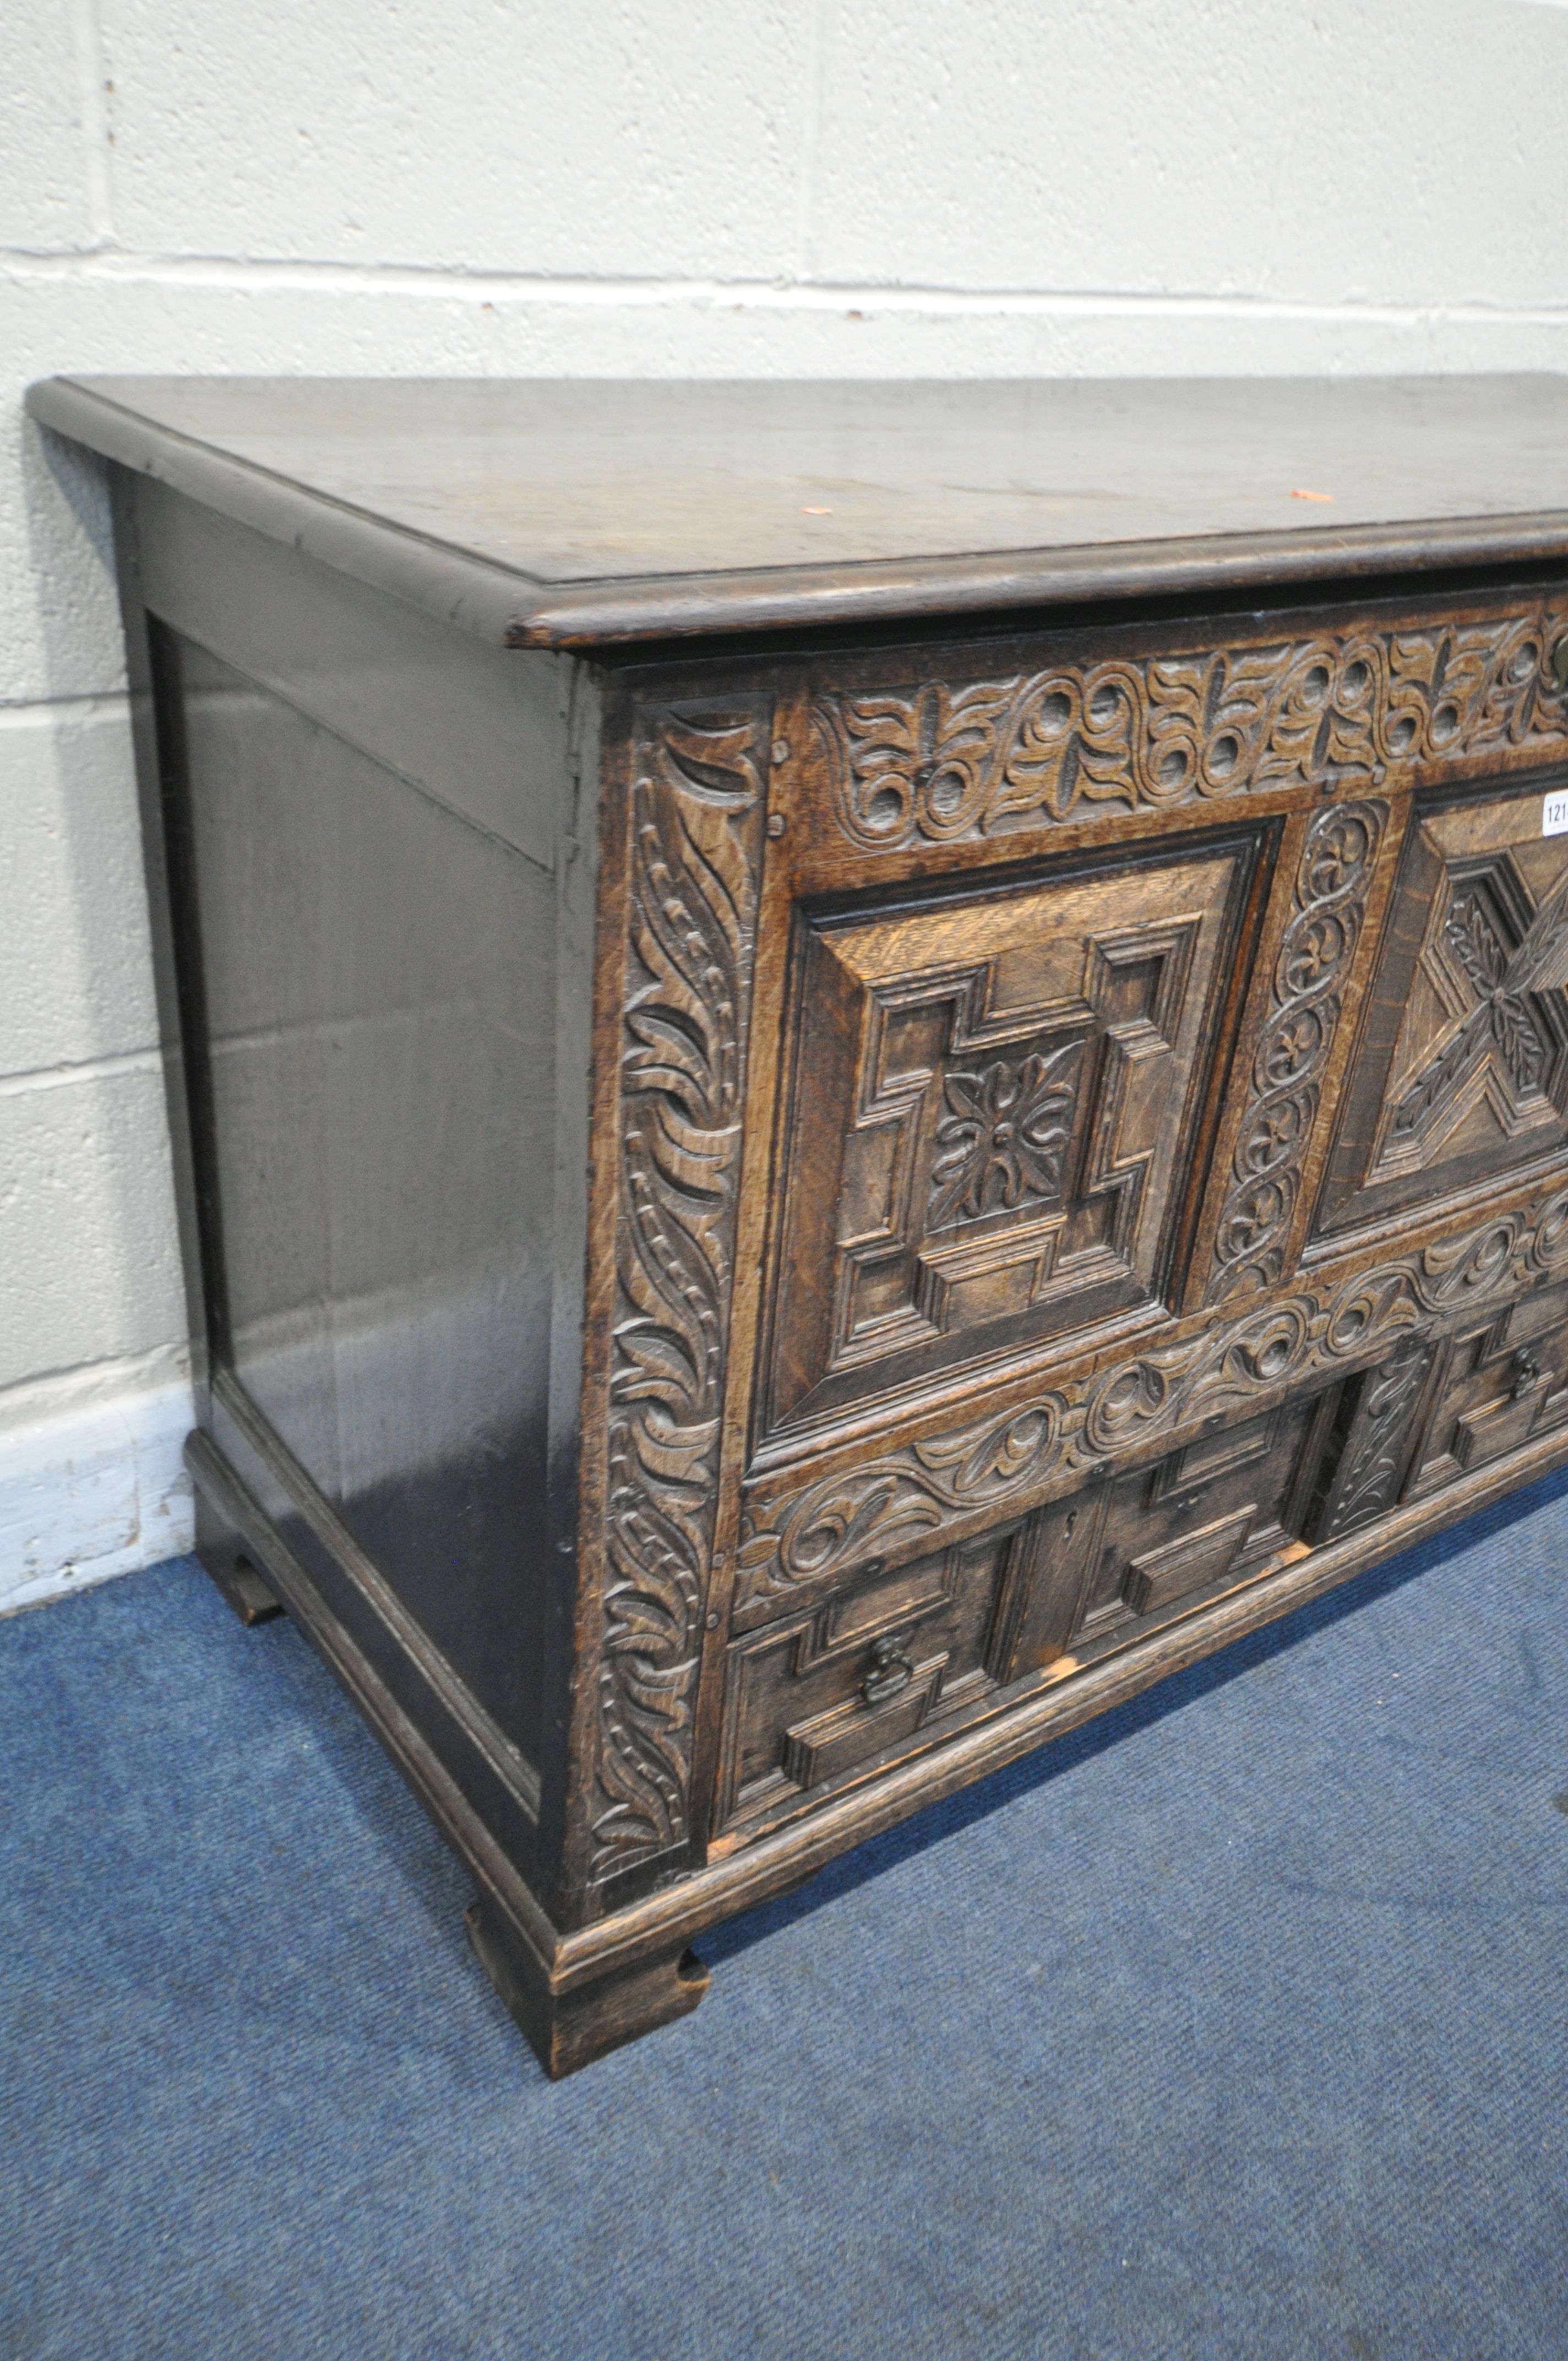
{"points": [[1461, 1073], [902, 1656], [994, 1099], [860, 1682], [1131, 1552], [1496, 1386], [1446, 1402]]}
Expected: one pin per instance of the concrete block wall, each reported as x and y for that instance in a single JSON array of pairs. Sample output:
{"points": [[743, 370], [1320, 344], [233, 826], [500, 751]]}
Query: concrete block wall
{"points": [[623, 187]]}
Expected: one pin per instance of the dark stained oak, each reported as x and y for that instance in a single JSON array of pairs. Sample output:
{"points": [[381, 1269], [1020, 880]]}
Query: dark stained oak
{"points": [[553, 513], [776, 1213]]}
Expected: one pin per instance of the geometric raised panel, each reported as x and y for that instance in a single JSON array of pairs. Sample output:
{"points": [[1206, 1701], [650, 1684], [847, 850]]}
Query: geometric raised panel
{"points": [[867, 1673], [1132, 1551], [1463, 1070], [1498, 1382], [992, 1118]]}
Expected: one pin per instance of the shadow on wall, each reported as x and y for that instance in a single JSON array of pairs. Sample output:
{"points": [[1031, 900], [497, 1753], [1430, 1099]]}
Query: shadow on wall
{"points": [[93, 1357], [70, 549]]}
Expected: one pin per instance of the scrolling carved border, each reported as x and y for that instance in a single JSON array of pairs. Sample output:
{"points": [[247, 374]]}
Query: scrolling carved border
{"points": [[1314, 960], [1367, 1479], [695, 823], [924, 1488], [942, 760]]}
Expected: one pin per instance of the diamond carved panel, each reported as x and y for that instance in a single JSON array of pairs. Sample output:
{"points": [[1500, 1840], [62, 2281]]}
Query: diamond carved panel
{"points": [[993, 1103], [1493, 962], [1462, 1073]]}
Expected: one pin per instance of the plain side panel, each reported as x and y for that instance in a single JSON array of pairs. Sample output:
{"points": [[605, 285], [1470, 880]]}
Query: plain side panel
{"points": [[379, 995]]}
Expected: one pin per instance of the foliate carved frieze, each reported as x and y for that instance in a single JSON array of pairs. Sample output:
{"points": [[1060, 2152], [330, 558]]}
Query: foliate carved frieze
{"points": [[939, 761], [1071, 1434], [1310, 970], [695, 820]]}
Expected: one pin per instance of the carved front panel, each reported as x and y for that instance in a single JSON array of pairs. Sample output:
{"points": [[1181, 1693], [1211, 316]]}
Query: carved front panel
{"points": [[1058, 1176], [1132, 1552], [1461, 1073], [992, 1110], [693, 827], [1497, 1384], [803, 1531], [869, 1675]]}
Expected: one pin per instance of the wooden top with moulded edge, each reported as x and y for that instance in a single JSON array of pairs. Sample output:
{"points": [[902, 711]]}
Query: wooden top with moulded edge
{"points": [[562, 513]]}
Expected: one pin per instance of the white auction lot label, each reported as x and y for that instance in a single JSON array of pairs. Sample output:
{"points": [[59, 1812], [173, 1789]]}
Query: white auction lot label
{"points": [[1554, 814]]}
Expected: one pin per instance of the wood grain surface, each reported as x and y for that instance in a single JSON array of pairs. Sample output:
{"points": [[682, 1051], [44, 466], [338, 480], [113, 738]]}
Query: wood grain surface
{"points": [[771, 1223], [569, 514]]}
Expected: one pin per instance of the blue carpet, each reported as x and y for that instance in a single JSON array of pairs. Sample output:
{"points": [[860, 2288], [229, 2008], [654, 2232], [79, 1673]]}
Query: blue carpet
{"points": [[1234, 2024]]}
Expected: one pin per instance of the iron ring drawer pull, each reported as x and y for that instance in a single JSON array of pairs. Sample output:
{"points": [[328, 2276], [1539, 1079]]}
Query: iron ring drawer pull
{"points": [[890, 1670]]}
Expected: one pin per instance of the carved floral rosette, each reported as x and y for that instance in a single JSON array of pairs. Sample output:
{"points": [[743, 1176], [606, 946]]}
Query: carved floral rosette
{"points": [[926, 1490], [937, 763], [694, 821], [1310, 970]]}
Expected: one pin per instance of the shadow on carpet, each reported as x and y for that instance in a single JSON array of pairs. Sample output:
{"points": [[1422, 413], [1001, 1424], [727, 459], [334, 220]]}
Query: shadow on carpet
{"points": [[1234, 2024]]}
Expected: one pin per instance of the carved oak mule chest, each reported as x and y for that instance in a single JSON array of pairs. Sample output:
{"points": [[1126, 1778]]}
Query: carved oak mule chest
{"points": [[851, 1067]]}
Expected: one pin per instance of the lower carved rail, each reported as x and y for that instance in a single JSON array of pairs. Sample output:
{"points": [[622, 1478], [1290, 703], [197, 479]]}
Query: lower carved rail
{"points": [[942, 1486]]}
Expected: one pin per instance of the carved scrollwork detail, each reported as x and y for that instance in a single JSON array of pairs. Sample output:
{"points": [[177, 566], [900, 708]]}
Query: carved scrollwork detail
{"points": [[1074, 1432], [830, 1525], [695, 823], [1313, 964], [940, 762], [1367, 1480]]}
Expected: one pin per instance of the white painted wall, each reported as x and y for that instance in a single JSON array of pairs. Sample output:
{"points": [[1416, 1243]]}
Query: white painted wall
{"points": [[623, 187]]}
